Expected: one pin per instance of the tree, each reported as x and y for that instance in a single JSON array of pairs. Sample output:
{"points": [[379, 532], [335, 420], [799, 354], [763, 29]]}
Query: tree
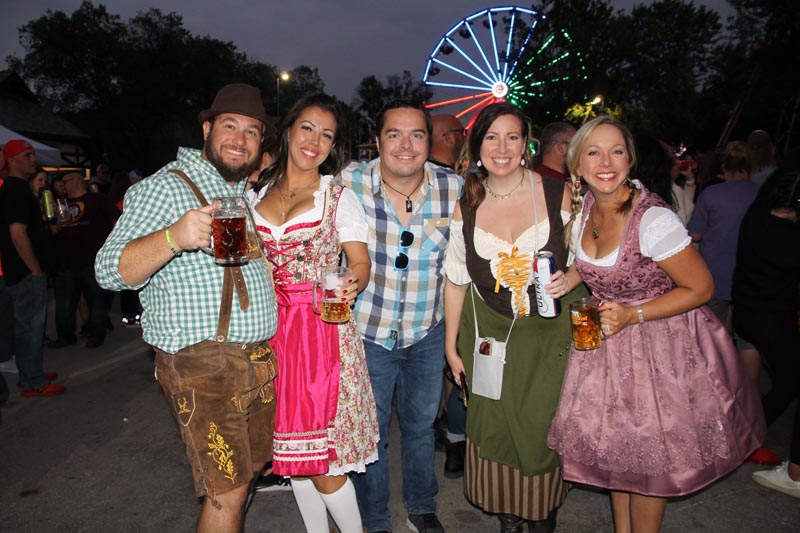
{"points": [[135, 87], [754, 70], [372, 95], [303, 80], [655, 62]]}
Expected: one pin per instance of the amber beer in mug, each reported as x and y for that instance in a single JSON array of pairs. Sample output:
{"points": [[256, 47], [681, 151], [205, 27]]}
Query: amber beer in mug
{"points": [[332, 308], [229, 241], [584, 315]]}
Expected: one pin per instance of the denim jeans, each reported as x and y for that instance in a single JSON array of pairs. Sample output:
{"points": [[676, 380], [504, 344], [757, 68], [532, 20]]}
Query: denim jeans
{"points": [[416, 371], [456, 416], [6, 323], [29, 298], [69, 285]]}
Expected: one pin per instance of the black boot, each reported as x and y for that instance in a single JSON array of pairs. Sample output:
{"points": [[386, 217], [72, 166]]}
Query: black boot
{"points": [[548, 525], [510, 523], [454, 464]]}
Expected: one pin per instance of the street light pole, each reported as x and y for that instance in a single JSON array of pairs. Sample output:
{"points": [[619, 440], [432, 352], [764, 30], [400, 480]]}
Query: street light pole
{"points": [[285, 77]]}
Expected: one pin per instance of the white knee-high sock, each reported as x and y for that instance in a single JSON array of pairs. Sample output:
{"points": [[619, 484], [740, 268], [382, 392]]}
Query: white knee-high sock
{"points": [[311, 506], [343, 507]]}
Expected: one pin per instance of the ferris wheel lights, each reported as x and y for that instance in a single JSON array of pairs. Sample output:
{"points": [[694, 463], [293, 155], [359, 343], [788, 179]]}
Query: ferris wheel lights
{"points": [[499, 68], [457, 100]]}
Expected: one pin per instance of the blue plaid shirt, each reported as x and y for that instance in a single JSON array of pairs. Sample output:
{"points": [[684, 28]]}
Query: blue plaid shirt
{"points": [[399, 307]]}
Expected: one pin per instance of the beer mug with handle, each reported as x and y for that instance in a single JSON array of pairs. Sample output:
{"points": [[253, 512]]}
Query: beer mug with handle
{"points": [[584, 316], [229, 239], [332, 308]]}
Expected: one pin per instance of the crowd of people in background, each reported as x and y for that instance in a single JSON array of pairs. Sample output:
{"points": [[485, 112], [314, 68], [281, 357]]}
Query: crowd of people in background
{"points": [[695, 257], [53, 225]]}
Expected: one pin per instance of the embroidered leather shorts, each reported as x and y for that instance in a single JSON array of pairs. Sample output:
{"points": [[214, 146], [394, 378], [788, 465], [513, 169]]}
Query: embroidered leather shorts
{"points": [[223, 399]]}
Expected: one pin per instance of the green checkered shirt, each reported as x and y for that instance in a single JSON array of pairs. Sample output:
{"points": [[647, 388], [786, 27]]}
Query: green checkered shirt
{"points": [[181, 301]]}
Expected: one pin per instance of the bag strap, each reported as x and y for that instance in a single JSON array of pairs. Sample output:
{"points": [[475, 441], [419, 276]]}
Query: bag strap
{"points": [[232, 275], [472, 292]]}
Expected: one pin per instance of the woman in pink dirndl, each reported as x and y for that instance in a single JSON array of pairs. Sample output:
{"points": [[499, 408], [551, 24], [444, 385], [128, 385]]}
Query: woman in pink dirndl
{"points": [[325, 422]]}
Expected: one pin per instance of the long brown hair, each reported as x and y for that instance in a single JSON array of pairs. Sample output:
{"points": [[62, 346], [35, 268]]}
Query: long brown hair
{"points": [[336, 159], [474, 175]]}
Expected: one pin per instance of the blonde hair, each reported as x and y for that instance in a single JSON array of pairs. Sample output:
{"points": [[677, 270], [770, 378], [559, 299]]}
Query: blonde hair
{"points": [[575, 150], [579, 140], [575, 206]]}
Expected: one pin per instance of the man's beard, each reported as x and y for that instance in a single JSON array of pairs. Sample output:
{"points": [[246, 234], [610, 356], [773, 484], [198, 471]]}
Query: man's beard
{"points": [[229, 173]]}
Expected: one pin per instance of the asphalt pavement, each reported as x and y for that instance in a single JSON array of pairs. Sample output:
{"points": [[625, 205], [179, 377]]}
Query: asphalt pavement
{"points": [[107, 456]]}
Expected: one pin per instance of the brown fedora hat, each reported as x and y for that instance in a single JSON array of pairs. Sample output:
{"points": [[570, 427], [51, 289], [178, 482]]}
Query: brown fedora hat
{"points": [[241, 99]]}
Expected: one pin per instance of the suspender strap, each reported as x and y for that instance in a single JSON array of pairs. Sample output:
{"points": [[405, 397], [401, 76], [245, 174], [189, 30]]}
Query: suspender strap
{"points": [[232, 276]]}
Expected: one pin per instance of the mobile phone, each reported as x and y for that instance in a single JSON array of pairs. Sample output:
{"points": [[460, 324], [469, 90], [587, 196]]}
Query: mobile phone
{"points": [[462, 379]]}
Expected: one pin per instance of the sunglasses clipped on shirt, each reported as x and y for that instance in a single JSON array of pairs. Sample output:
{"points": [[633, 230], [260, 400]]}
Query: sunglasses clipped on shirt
{"points": [[406, 240]]}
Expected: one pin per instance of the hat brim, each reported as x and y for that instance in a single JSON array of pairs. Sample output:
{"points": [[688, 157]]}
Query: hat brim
{"points": [[208, 114]]}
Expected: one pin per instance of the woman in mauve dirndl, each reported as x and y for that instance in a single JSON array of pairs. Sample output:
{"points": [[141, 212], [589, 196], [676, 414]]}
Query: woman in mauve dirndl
{"points": [[663, 407]]}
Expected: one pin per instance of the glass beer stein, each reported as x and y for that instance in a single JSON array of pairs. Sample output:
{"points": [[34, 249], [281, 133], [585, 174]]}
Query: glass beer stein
{"points": [[229, 241], [584, 316], [332, 308]]}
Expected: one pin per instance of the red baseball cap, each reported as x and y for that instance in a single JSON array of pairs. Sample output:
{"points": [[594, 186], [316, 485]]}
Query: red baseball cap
{"points": [[13, 148]]}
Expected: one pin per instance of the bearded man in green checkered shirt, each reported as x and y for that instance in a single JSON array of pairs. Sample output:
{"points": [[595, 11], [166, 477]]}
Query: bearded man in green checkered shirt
{"points": [[219, 383]]}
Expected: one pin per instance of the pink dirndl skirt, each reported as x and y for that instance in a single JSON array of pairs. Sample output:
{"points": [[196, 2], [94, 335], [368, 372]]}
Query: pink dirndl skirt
{"points": [[307, 385]]}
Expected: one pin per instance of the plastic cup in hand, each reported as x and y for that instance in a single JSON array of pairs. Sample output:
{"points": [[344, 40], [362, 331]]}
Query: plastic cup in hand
{"points": [[332, 281], [62, 210]]}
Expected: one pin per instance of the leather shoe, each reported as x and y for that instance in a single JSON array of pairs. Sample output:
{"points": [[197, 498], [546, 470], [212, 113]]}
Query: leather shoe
{"points": [[60, 343], [454, 463], [48, 389], [94, 342]]}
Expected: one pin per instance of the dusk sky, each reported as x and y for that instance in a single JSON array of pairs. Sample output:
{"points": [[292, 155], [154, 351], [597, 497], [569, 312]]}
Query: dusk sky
{"points": [[345, 39]]}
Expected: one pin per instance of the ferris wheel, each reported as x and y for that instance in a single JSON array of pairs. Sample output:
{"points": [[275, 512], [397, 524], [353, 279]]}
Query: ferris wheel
{"points": [[499, 53]]}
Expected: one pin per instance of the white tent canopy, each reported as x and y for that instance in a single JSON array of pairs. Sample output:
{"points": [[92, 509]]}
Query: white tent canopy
{"points": [[45, 155]]}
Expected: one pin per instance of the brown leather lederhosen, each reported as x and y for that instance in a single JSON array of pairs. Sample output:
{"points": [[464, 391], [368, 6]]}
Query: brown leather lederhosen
{"points": [[221, 393]]}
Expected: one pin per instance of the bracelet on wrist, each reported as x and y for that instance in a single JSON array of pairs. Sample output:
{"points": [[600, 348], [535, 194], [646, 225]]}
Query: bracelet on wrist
{"points": [[640, 314], [175, 251]]}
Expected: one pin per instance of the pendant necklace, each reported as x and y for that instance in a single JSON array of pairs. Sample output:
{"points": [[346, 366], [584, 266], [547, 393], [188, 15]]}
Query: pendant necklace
{"points": [[503, 196], [595, 228], [409, 203], [292, 195]]}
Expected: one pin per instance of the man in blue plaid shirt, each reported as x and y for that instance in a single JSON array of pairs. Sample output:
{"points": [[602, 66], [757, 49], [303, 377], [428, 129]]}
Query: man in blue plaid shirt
{"points": [[409, 204], [212, 360]]}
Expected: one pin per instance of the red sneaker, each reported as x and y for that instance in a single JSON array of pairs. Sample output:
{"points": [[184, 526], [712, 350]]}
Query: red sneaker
{"points": [[49, 376], [48, 389], [764, 456]]}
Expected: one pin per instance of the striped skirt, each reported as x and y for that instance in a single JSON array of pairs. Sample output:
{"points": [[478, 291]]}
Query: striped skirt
{"points": [[499, 488]]}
